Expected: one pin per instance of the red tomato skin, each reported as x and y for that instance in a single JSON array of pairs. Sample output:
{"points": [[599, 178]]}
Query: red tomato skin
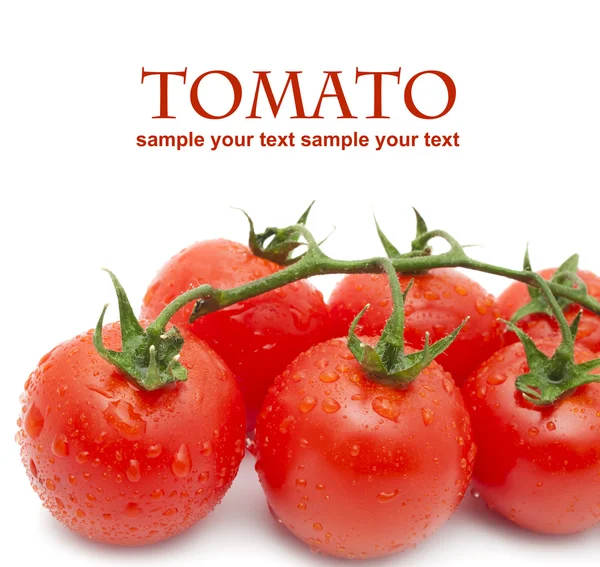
{"points": [[338, 455], [540, 325], [438, 302], [256, 338], [124, 466], [538, 467]]}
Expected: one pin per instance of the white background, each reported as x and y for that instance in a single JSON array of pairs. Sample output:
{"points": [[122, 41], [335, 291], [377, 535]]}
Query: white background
{"points": [[77, 194]]}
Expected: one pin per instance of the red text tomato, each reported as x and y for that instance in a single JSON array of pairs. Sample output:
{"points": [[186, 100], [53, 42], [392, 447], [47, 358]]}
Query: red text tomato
{"points": [[438, 302], [357, 469], [537, 466], [540, 325], [125, 466], [257, 338]]}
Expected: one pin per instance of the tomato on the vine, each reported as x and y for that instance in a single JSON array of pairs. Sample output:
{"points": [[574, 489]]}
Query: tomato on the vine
{"points": [[355, 468], [122, 465], [438, 302], [538, 466], [540, 325], [258, 337]]}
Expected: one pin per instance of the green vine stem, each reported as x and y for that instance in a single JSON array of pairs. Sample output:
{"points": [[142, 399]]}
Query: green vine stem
{"points": [[315, 262]]}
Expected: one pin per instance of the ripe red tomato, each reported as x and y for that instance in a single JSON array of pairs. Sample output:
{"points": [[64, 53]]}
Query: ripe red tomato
{"points": [[540, 325], [537, 466], [438, 302], [125, 466], [357, 469], [256, 338]]}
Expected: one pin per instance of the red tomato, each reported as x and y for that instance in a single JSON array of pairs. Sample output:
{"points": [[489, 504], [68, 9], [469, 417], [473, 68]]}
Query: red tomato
{"points": [[437, 303], [256, 338], [356, 469], [540, 325], [537, 466], [125, 466]]}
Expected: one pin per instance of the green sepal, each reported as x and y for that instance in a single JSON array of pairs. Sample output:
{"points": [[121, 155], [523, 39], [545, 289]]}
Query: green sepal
{"points": [[277, 244], [391, 251], [566, 275], [551, 378], [149, 358], [422, 230], [387, 363]]}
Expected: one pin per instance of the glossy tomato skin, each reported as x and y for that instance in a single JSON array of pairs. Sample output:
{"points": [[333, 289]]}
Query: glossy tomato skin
{"points": [[438, 302], [540, 325], [356, 469], [120, 465], [256, 338], [538, 467]]}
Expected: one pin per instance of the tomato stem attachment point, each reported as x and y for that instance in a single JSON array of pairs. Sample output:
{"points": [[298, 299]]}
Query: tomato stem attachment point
{"points": [[149, 358]]}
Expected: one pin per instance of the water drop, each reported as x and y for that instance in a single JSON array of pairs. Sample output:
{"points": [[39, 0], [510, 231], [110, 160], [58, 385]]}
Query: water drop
{"points": [[33, 468], [50, 485], [154, 451], [206, 449], [330, 405], [322, 363], [551, 426], [533, 431], [307, 404], [355, 450], [386, 408], [132, 510], [329, 376], [182, 462], [133, 471], [448, 385], [60, 445], [385, 497], [460, 290], [82, 457], [121, 416], [72, 479], [317, 527], [427, 416], [34, 422], [300, 483]]}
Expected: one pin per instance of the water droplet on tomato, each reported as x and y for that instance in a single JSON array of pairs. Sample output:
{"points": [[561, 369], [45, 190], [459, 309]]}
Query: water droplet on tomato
{"points": [[307, 404], [206, 449], [317, 527], [386, 408], [448, 385], [320, 487], [154, 451], [385, 497], [121, 416], [427, 416], [132, 510], [330, 405], [82, 457], [300, 483], [304, 443], [182, 462], [551, 426], [322, 363], [329, 376], [496, 379], [133, 471], [34, 422], [355, 450], [61, 390], [33, 468], [50, 485], [460, 290], [301, 506], [60, 445], [533, 431], [72, 479]]}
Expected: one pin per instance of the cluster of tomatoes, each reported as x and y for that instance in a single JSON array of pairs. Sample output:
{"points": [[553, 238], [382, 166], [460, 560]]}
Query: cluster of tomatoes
{"points": [[351, 466]]}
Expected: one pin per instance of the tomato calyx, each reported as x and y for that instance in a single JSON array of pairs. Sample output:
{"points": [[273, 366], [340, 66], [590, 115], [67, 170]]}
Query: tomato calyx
{"points": [[278, 244], [551, 378], [565, 275], [149, 357], [387, 363]]}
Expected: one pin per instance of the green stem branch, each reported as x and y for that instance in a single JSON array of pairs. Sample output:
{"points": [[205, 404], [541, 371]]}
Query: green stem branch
{"points": [[315, 262]]}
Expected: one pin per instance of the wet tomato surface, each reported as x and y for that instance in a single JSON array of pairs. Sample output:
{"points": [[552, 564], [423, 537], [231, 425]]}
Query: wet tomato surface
{"points": [[438, 302], [356, 469], [537, 466], [540, 325], [125, 466], [257, 338]]}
